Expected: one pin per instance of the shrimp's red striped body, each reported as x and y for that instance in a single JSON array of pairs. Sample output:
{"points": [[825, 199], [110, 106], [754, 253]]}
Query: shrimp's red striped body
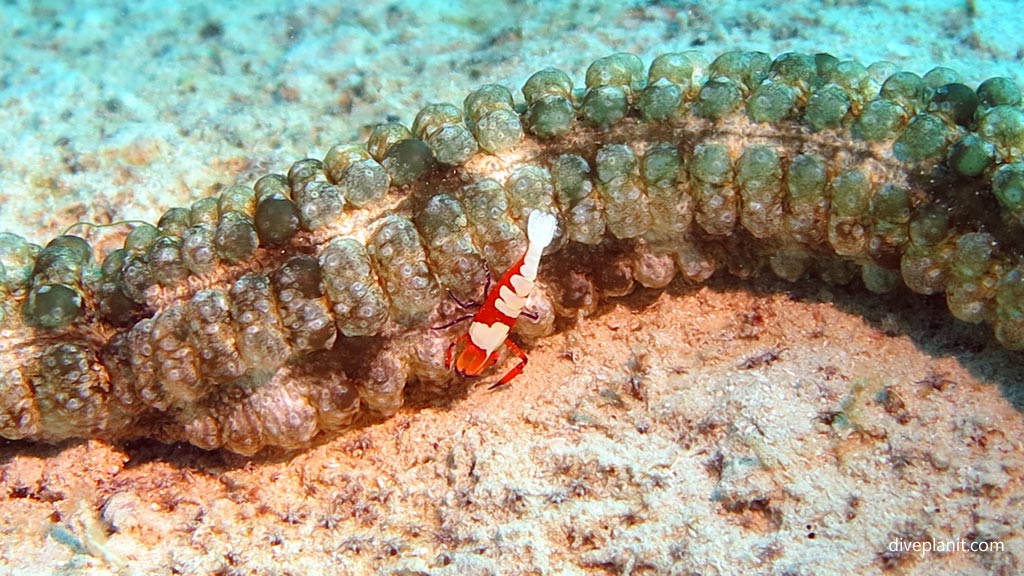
{"points": [[491, 325]]}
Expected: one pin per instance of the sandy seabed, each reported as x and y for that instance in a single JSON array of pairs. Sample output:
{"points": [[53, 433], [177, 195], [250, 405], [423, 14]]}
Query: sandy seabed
{"points": [[742, 426]]}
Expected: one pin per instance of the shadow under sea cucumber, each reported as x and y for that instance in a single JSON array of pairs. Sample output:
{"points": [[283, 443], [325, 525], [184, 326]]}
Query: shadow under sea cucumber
{"points": [[273, 312]]}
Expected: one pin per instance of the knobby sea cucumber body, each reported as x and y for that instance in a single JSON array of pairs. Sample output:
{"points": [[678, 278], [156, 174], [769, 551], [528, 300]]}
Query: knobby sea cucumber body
{"points": [[273, 312]]}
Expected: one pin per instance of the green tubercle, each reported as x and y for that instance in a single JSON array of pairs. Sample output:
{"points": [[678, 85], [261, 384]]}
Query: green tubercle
{"points": [[407, 160], [53, 306], [277, 221]]}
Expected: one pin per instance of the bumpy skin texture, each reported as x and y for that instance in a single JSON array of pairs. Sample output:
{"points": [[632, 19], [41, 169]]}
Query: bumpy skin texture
{"points": [[272, 313]]}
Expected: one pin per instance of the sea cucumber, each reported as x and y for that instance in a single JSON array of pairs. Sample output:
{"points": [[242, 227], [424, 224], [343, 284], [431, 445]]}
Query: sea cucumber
{"points": [[274, 312]]}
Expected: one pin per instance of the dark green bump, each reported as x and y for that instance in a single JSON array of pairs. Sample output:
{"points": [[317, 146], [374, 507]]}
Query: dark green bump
{"points": [[851, 193], [141, 238], [585, 221], [827, 107], [604, 105], [175, 221], [806, 178], [759, 176], [671, 213], [277, 221], [674, 67], [929, 225], [710, 168], [971, 155], [718, 98], [891, 204], [923, 138], [551, 116], [622, 69], [383, 137], [626, 206], [205, 211], [758, 168], [805, 200], [771, 102], [614, 161], [113, 263], [236, 239], [879, 120], [53, 306], [408, 160], [797, 70], [301, 273], [166, 263], [940, 76], [660, 165], [457, 263], [790, 263], [659, 100], [711, 163], [955, 102], [906, 89], [270, 186], [879, 280], [1003, 126], [998, 92], [570, 175], [1008, 188], [968, 294], [889, 215], [111, 301], [973, 253], [847, 225]]}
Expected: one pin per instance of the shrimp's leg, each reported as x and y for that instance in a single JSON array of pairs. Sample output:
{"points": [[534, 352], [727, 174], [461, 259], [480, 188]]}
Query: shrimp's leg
{"points": [[517, 369]]}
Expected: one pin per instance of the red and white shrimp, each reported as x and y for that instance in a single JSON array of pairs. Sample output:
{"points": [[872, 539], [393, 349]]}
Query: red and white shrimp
{"points": [[492, 323]]}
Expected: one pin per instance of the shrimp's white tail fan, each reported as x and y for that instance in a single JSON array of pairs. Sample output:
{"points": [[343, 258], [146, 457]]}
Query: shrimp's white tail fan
{"points": [[540, 229]]}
